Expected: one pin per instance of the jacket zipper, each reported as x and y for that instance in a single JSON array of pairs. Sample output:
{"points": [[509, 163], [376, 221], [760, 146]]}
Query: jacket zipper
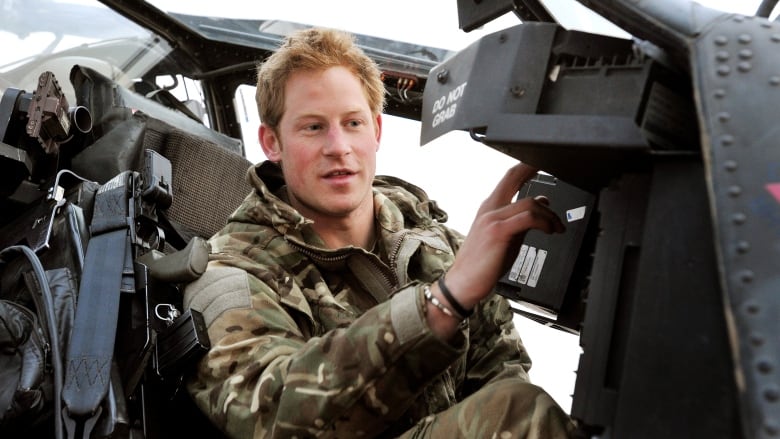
{"points": [[392, 255], [385, 271]]}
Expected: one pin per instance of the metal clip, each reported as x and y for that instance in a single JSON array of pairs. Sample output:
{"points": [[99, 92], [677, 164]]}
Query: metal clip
{"points": [[168, 315]]}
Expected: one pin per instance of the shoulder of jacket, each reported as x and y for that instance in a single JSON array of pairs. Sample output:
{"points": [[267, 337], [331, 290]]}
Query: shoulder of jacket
{"points": [[219, 289]]}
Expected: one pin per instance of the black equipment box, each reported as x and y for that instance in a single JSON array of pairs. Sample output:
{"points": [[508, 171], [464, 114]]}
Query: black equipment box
{"points": [[549, 273]]}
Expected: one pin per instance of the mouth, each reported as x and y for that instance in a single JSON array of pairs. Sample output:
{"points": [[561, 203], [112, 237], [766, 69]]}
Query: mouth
{"points": [[339, 173]]}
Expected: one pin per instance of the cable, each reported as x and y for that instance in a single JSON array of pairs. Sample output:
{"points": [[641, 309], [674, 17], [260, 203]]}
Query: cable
{"points": [[476, 136]]}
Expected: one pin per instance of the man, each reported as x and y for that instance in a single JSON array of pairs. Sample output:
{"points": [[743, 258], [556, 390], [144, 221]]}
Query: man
{"points": [[326, 298]]}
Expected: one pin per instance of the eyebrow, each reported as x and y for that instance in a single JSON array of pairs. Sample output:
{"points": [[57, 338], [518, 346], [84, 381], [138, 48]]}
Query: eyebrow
{"points": [[348, 113]]}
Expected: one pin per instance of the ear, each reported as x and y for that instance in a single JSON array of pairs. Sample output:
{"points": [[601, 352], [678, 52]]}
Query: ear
{"points": [[270, 143], [378, 124]]}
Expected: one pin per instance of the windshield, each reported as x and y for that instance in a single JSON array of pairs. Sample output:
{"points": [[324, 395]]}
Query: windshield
{"points": [[431, 23], [38, 35]]}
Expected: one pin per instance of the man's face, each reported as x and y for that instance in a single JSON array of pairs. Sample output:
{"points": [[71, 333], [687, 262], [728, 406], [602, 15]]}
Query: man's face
{"points": [[326, 141]]}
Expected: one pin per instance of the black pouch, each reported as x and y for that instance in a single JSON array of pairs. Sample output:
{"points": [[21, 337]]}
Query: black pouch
{"points": [[40, 261], [33, 332], [23, 352]]}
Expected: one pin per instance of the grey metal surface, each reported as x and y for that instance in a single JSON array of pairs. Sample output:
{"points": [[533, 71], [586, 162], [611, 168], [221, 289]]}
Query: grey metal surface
{"points": [[735, 66], [736, 71]]}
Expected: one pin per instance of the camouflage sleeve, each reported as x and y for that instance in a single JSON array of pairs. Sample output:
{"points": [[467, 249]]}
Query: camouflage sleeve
{"points": [[264, 378], [496, 350]]}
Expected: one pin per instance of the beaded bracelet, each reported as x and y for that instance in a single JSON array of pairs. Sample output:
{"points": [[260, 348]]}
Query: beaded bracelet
{"points": [[437, 303], [450, 298]]}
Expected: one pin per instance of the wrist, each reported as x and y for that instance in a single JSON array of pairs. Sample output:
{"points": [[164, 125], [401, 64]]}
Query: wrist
{"points": [[441, 319], [461, 309], [442, 306]]}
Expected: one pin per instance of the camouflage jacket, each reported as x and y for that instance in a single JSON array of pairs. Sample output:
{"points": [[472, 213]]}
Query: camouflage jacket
{"points": [[309, 341]]}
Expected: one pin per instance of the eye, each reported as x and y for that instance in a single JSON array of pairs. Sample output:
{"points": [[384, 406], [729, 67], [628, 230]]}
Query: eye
{"points": [[355, 123], [313, 127]]}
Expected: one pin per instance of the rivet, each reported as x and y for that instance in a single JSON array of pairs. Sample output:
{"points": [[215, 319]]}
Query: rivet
{"points": [[771, 428], [746, 54], [722, 56], [771, 394], [719, 93], [739, 218], [724, 70], [743, 247], [775, 38], [744, 66], [739, 18], [721, 40], [774, 80], [730, 165], [766, 24], [764, 366], [752, 308], [756, 339], [746, 276], [443, 76], [745, 39], [727, 140], [724, 116]]}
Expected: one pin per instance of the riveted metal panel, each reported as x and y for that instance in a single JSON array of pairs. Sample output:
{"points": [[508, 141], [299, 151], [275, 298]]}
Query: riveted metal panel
{"points": [[736, 69]]}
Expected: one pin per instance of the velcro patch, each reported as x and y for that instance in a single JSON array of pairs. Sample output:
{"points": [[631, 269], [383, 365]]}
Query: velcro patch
{"points": [[219, 289]]}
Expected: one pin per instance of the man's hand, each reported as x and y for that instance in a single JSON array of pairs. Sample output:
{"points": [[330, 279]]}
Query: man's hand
{"points": [[492, 243]]}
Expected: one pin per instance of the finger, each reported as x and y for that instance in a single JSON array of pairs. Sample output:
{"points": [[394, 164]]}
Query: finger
{"points": [[530, 213], [508, 186], [542, 199]]}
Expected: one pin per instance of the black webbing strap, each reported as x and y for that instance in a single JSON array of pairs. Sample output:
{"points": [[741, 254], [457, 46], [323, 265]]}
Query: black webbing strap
{"points": [[91, 347]]}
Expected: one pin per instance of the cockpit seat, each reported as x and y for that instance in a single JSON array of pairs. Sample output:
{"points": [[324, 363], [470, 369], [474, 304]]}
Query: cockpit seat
{"points": [[208, 168]]}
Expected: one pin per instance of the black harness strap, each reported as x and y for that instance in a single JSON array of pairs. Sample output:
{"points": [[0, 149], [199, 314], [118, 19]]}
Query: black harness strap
{"points": [[91, 347]]}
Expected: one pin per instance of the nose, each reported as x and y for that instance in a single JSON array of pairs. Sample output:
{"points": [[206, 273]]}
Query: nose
{"points": [[336, 142]]}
